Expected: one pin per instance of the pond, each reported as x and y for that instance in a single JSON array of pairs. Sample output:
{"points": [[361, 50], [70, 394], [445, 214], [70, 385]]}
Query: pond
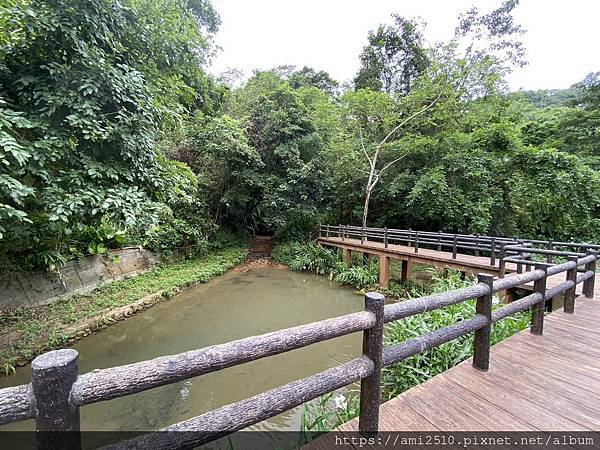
{"points": [[233, 306]]}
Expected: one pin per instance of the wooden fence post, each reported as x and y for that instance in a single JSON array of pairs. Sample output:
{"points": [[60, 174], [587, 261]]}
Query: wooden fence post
{"points": [[481, 350], [588, 285], [537, 310], [417, 242], [493, 252], [385, 237], [520, 266], [370, 387], [570, 294], [454, 246], [384, 271], [528, 266], [410, 237], [57, 420], [550, 258], [362, 235], [502, 263]]}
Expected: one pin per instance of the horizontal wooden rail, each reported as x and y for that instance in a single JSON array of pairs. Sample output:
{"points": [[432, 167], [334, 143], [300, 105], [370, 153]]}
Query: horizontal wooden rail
{"points": [[227, 419], [399, 352], [133, 378], [559, 289], [585, 276], [16, 404], [407, 308], [56, 392], [517, 306], [563, 267]]}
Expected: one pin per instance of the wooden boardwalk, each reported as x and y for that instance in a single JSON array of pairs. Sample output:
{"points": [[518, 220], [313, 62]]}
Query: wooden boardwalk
{"points": [[535, 383], [441, 259], [423, 256]]}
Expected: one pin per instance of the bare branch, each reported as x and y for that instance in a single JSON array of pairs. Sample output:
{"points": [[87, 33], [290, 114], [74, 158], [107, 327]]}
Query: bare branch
{"points": [[392, 163], [362, 144], [408, 119], [359, 169]]}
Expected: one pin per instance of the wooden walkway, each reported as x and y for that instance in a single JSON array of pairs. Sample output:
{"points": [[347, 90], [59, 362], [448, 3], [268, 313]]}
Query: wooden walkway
{"points": [[423, 256], [441, 259], [535, 383]]}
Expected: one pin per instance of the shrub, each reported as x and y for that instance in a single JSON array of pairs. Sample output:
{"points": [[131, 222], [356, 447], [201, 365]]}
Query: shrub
{"points": [[358, 276], [300, 256]]}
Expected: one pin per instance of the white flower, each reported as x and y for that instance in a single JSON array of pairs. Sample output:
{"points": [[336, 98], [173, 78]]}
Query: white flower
{"points": [[340, 402]]}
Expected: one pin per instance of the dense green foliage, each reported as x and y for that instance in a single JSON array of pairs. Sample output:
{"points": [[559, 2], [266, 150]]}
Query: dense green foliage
{"points": [[112, 133], [85, 90], [570, 122], [312, 257]]}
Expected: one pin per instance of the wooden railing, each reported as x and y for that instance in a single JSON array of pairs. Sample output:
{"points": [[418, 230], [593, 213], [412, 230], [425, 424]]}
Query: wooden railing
{"points": [[497, 248], [57, 391]]}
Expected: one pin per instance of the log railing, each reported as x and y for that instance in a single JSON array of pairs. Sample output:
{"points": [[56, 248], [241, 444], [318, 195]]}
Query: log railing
{"points": [[497, 248], [57, 391]]}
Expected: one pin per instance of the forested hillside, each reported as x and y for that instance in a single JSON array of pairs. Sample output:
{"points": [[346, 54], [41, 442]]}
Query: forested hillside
{"points": [[113, 133]]}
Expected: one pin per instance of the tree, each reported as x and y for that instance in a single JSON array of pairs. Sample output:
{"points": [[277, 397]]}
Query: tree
{"points": [[307, 77], [588, 92], [393, 58], [493, 36], [227, 167], [279, 128], [80, 111], [374, 172]]}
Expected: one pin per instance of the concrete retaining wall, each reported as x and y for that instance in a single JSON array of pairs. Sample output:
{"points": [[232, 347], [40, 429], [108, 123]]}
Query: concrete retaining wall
{"points": [[26, 289]]}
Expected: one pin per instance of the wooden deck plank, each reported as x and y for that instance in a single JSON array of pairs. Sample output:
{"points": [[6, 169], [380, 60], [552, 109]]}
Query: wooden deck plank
{"points": [[513, 401], [537, 349], [539, 383], [550, 396], [480, 409], [575, 342], [564, 381]]}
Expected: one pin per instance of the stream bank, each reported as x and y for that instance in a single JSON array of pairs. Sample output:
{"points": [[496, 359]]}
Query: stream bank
{"points": [[26, 333]]}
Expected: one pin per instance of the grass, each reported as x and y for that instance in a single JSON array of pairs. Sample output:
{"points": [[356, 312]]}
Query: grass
{"points": [[28, 332]]}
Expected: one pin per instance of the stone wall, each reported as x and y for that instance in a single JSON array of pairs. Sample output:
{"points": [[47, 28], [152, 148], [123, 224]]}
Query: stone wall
{"points": [[26, 289]]}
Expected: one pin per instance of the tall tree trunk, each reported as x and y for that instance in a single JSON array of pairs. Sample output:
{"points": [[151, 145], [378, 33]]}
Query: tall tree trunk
{"points": [[366, 208]]}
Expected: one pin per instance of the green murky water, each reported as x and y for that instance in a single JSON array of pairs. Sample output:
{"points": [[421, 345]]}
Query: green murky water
{"points": [[232, 306]]}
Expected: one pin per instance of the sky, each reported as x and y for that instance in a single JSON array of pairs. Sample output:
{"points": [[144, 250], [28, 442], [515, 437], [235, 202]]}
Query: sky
{"points": [[562, 36]]}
